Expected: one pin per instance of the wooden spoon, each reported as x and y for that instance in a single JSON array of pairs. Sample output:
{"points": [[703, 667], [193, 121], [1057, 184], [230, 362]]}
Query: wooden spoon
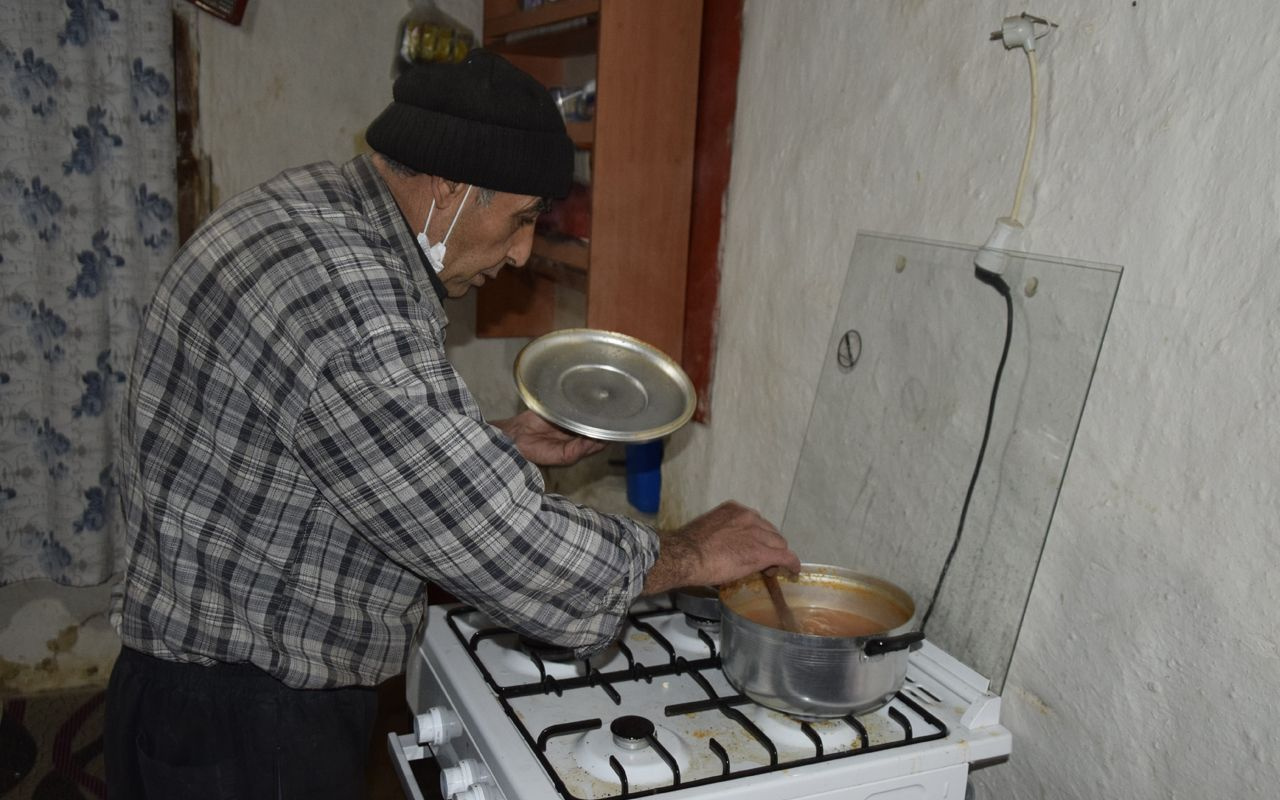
{"points": [[786, 618]]}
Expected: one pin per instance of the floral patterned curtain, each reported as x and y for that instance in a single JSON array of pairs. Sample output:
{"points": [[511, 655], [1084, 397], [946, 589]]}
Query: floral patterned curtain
{"points": [[87, 223]]}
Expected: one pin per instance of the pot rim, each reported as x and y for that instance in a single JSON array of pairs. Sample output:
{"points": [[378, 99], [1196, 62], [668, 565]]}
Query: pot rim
{"points": [[830, 574]]}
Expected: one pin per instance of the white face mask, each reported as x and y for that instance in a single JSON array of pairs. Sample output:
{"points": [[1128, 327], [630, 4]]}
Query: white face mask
{"points": [[435, 252]]}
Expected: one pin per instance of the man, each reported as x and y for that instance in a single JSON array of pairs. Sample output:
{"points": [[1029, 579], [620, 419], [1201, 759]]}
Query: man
{"points": [[300, 457]]}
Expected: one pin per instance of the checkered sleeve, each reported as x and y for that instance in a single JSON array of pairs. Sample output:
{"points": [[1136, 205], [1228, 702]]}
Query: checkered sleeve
{"points": [[388, 439]]}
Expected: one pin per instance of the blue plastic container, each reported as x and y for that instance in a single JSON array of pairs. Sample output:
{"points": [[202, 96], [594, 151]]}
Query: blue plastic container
{"points": [[644, 475]]}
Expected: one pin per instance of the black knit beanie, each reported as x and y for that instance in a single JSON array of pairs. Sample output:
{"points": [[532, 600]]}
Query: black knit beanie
{"points": [[481, 121]]}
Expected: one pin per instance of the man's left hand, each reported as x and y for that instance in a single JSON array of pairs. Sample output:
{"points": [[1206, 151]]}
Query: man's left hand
{"points": [[543, 443]]}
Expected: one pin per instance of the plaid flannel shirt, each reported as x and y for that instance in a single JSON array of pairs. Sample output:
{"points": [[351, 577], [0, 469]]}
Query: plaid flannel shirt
{"points": [[299, 456]]}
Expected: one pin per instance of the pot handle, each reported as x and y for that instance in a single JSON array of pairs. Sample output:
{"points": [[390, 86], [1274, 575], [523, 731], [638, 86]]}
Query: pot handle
{"points": [[890, 644]]}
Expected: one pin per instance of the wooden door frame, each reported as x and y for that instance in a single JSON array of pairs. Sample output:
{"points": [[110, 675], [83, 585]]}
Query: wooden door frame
{"points": [[713, 146]]}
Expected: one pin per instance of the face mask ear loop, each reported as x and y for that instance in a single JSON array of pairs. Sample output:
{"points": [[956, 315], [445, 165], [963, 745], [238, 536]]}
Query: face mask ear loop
{"points": [[456, 214], [422, 237], [435, 252]]}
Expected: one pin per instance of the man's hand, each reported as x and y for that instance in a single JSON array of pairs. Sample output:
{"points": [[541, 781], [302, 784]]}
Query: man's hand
{"points": [[543, 443], [727, 543]]}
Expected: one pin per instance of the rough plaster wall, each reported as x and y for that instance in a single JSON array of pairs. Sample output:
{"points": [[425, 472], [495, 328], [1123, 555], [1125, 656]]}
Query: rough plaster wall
{"points": [[297, 81], [1149, 661]]}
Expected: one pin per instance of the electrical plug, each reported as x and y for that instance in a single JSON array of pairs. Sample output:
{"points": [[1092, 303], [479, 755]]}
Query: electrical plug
{"points": [[992, 257], [1020, 31]]}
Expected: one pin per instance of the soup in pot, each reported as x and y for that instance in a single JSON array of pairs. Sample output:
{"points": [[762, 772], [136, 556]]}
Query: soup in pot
{"points": [[812, 620]]}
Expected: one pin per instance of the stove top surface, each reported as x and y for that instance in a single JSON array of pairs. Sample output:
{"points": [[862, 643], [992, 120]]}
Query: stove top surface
{"points": [[654, 715]]}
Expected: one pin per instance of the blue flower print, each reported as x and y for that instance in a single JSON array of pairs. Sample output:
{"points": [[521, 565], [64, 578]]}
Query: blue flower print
{"points": [[7, 493], [51, 446], [41, 207], [95, 512], [94, 265], [54, 559], [96, 508], [33, 78], [150, 90], [29, 537], [94, 144], [96, 386], [88, 19], [11, 186], [154, 214], [43, 325]]}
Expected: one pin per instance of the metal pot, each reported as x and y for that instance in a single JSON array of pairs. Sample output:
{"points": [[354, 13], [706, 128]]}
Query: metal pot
{"points": [[811, 675]]}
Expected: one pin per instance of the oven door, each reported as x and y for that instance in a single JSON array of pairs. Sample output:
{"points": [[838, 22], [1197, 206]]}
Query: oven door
{"points": [[404, 748]]}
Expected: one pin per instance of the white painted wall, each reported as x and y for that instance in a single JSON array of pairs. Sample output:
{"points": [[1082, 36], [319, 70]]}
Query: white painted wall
{"points": [[1149, 663], [297, 81]]}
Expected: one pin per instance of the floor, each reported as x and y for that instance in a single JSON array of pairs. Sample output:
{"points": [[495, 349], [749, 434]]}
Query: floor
{"points": [[51, 747]]}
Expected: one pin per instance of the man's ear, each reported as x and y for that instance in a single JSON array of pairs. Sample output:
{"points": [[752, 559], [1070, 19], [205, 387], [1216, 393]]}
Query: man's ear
{"points": [[446, 192]]}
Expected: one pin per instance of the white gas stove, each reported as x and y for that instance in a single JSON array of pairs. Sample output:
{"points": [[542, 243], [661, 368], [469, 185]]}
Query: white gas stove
{"points": [[654, 715]]}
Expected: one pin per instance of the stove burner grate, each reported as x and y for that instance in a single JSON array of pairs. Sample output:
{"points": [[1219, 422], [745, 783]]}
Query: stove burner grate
{"points": [[678, 665]]}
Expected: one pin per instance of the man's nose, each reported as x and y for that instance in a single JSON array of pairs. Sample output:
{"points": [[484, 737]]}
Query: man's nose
{"points": [[522, 247]]}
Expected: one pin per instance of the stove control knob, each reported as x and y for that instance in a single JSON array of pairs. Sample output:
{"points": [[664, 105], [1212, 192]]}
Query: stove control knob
{"points": [[455, 780], [436, 726], [481, 791]]}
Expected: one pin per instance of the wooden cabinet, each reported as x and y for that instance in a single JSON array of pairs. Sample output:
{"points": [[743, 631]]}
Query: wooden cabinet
{"points": [[631, 276]]}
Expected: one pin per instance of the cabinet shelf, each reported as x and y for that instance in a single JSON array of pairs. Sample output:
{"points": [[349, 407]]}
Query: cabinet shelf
{"points": [[505, 16], [666, 70], [574, 37], [632, 276]]}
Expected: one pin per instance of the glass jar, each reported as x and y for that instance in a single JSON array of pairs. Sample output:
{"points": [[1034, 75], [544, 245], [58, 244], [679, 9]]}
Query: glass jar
{"points": [[427, 34]]}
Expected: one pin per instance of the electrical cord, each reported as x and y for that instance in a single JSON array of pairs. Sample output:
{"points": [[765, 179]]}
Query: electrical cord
{"points": [[1031, 134], [998, 283], [990, 262]]}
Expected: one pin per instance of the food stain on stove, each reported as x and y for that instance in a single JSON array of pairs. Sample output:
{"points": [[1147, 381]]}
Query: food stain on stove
{"points": [[880, 728], [581, 783], [744, 751]]}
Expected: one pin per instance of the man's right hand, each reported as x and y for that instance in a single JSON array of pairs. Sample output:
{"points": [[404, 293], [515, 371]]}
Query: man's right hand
{"points": [[727, 543]]}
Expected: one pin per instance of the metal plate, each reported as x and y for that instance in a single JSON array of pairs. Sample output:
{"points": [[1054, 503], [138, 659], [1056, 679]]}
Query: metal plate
{"points": [[604, 385]]}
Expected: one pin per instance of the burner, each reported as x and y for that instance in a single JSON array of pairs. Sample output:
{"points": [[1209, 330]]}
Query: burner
{"points": [[516, 664], [785, 731], [629, 739], [545, 651], [702, 623], [683, 636], [631, 732]]}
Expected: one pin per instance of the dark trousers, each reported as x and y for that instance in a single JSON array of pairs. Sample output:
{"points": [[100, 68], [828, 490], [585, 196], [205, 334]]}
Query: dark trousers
{"points": [[187, 732]]}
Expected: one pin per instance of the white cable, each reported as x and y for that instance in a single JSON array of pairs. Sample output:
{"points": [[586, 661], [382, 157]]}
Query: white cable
{"points": [[1031, 134], [1019, 31]]}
